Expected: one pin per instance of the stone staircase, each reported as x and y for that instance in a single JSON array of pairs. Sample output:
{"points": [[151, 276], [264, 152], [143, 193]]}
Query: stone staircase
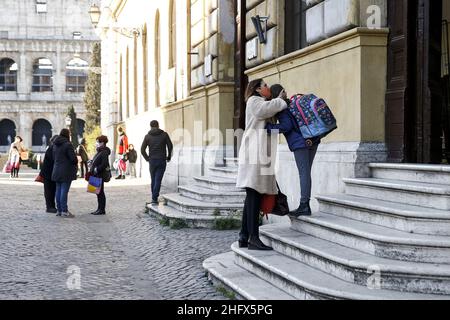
{"points": [[386, 237], [207, 200]]}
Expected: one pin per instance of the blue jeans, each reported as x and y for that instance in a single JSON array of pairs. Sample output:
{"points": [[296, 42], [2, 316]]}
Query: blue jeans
{"points": [[62, 191], [304, 159], [157, 170]]}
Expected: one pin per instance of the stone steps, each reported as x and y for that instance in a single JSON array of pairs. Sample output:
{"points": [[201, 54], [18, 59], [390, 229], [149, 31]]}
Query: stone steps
{"points": [[376, 240], [192, 206], [222, 271], [232, 162], [411, 172], [191, 220], [210, 202], [225, 172], [389, 232], [210, 195], [403, 217], [304, 282], [436, 196], [216, 183], [355, 266]]}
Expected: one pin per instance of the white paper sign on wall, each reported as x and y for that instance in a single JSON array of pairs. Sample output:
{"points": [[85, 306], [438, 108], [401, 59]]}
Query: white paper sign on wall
{"points": [[252, 49], [208, 65]]}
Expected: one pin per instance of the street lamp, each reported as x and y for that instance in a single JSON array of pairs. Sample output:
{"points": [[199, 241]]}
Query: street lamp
{"points": [[68, 121], [95, 13]]}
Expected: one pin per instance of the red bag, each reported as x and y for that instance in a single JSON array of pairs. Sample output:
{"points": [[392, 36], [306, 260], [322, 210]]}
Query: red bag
{"points": [[8, 167], [268, 204], [39, 179]]}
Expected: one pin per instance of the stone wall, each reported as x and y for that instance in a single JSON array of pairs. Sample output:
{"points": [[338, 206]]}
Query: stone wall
{"points": [[27, 36]]}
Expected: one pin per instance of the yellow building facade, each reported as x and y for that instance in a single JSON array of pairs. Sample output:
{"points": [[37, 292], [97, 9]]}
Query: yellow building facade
{"points": [[186, 64]]}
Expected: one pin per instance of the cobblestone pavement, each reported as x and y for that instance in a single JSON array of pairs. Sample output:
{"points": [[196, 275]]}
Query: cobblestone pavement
{"points": [[124, 255]]}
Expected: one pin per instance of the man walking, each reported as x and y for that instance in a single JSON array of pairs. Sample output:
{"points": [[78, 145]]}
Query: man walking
{"points": [[159, 153]]}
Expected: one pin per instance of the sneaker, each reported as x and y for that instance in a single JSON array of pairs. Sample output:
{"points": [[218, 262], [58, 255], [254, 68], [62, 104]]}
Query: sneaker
{"points": [[67, 215], [52, 210], [58, 214]]}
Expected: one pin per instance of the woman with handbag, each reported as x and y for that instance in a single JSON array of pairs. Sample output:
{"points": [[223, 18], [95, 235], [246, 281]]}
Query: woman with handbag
{"points": [[100, 169], [14, 156], [304, 151], [256, 167]]}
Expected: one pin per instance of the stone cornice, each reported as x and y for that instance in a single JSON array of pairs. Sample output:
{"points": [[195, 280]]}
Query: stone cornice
{"points": [[46, 45], [361, 36]]}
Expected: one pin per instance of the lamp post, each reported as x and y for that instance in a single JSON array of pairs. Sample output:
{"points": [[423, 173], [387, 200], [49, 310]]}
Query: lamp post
{"points": [[95, 14], [68, 122]]}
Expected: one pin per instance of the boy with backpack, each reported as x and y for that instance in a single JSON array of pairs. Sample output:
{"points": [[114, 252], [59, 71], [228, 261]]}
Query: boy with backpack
{"points": [[293, 123]]}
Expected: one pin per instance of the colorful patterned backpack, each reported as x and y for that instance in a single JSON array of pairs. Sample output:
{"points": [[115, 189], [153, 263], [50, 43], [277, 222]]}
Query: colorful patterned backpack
{"points": [[313, 116]]}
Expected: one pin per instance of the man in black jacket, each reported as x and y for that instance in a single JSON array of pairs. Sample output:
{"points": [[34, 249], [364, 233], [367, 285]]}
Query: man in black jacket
{"points": [[46, 173], [160, 149]]}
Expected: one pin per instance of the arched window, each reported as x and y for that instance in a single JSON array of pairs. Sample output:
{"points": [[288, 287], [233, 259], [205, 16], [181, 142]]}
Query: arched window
{"points": [[42, 132], [145, 66], [8, 75], [157, 57], [7, 132], [76, 75], [42, 75], [173, 34], [80, 128]]}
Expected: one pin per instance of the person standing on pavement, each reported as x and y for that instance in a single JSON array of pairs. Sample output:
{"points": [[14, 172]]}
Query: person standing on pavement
{"points": [[100, 169], [14, 156], [82, 153], [64, 171], [255, 171], [132, 159], [46, 173], [122, 152], [160, 149]]}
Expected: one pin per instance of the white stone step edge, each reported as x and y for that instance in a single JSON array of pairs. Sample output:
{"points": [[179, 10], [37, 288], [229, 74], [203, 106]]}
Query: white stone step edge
{"points": [[411, 186], [412, 167], [320, 292], [193, 204], [376, 237], [333, 199], [414, 270], [223, 269]]}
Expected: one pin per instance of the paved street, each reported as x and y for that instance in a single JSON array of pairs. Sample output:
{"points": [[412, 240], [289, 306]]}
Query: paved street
{"points": [[124, 255]]}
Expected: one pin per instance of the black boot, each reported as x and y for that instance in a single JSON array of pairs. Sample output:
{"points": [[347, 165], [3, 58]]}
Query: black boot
{"points": [[243, 242], [99, 213], [303, 210], [256, 244]]}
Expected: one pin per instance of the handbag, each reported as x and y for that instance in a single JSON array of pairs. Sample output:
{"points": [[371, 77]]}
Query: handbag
{"points": [[24, 156], [274, 204], [8, 167], [39, 179], [94, 185]]}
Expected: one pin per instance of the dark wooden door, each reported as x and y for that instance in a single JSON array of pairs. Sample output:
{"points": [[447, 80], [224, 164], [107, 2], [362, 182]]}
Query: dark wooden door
{"points": [[399, 97], [241, 79], [428, 113], [414, 93]]}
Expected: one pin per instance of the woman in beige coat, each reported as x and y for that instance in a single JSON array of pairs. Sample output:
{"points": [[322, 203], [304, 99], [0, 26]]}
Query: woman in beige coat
{"points": [[257, 154], [15, 152]]}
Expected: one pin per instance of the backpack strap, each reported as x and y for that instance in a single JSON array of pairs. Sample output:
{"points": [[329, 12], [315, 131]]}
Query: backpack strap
{"points": [[297, 103]]}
